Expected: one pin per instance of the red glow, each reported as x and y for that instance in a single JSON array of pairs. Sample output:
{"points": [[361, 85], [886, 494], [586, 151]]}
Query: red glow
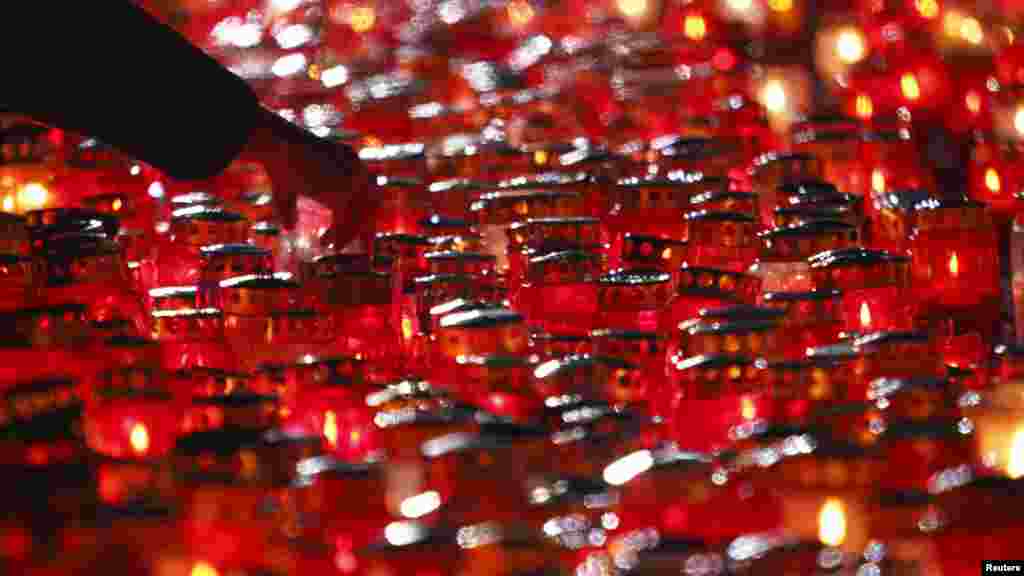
{"points": [[724, 59]]}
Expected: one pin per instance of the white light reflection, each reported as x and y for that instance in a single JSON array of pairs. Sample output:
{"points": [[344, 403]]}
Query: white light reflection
{"points": [[421, 504], [291, 37], [289, 65], [334, 76], [403, 533], [628, 467]]}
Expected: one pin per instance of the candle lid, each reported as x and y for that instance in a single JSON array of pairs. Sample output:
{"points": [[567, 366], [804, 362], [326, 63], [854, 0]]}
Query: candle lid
{"points": [[679, 181], [713, 195], [583, 156], [942, 429], [804, 296], [855, 256], [441, 221], [40, 410], [719, 216], [316, 467], [402, 238], [75, 245], [265, 228], [456, 185], [554, 220], [447, 278], [767, 159], [634, 277], [876, 340], [905, 200], [481, 318], [570, 490], [194, 199], [700, 327], [54, 221], [814, 228], [839, 351], [398, 182], [624, 334], [276, 281], [565, 256], [215, 250], [408, 151], [459, 255], [676, 146], [886, 387], [205, 213]]}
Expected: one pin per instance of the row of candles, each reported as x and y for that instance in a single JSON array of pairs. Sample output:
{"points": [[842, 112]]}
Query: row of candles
{"points": [[559, 353]]}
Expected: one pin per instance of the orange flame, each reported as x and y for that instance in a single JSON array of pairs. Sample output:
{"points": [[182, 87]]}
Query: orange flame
{"points": [[865, 315], [954, 265], [331, 428], [139, 439]]}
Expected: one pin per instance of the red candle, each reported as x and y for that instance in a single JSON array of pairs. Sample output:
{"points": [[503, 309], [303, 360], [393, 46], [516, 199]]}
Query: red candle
{"points": [[874, 288], [560, 290], [813, 315], [633, 298]]}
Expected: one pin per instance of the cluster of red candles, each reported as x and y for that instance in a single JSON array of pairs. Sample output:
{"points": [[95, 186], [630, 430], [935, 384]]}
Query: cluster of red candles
{"points": [[555, 359]]}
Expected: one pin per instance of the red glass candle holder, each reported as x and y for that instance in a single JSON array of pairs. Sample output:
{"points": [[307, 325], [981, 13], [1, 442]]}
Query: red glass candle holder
{"points": [[132, 425], [179, 262], [875, 288], [16, 281], [798, 243], [405, 201], [718, 400], [826, 490], [552, 345], [954, 247], [454, 197], [698, 288], [714, 156], [814, 316], [727, 200], [633, 298], [821, 196], [801, 387], [559, 290], [14, 235], [653, 206], [890, 355], [629, 366], [223, 261], [836, 141], [481, 332], [408, 548], [406, 255], [772, 170], [91, 270], [494, 211], [499, 385], [540, 236], [928, 454], [739, 504], [756, 337], [407, 160], [720, 239]]}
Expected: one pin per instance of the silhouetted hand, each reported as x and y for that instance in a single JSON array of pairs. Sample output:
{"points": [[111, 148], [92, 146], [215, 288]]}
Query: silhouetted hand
{"points": [[300, 163]]}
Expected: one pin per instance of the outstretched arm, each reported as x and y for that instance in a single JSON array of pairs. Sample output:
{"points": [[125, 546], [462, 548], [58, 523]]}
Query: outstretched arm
{"points": [[111, 70]]}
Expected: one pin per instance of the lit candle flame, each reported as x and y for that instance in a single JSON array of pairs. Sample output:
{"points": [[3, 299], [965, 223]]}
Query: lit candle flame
{"points": [[927, 8], [540, 157], [865, 315], [850, 46], [773, 96], [865, 108], [832, 523], [520, 13], [748, 409], [878, 181], [139, 439], [362, 18], [407, 328], [954, 265], [695, 27], [633, 8], [973, 102], [992, 180], [203, 569], [1018, 121], [1015, 462], [910, 87], [331, 428]]}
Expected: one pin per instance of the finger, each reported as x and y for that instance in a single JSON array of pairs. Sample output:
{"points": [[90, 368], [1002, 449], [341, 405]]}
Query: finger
{"points": [[286, 204]]}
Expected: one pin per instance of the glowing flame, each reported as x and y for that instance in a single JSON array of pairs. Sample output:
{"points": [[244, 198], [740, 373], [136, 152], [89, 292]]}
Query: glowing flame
{"points": [[865, 315], [832, 523], [741, 6], [407, 328], [748, 409], [203, 569], [1018, 121], [992, 181], [773, 96], [116, 205], [780, 5], [331, 428], [8, 204], [954, 265], [850, 46], [877, 181], [970, 30], [633, 8], [1015, 462], [33, 195], [520, 13], [139, 439], [928, 9], [909, 86], [864, 107], [362, 18], [695, 27], [973, 102], [540, 157], [952, 22]]}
